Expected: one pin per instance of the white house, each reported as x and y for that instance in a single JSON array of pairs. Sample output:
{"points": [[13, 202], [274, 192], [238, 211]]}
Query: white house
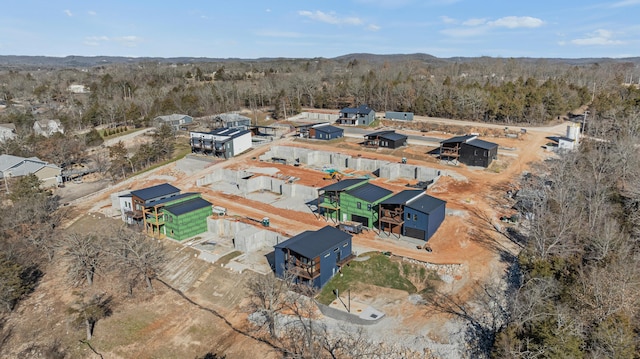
{"points": [[75, 88], [126, 207], [47, 127], [223, 142]]}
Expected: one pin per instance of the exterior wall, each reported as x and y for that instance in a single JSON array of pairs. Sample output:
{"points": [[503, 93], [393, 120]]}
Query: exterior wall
{"points": [[474, 156], [6, 134], [328, 262], [403, 116], [314, 133], [50, 177], [241, 143], [349, 207], [427, 222], [125, 205], [186, 225]]}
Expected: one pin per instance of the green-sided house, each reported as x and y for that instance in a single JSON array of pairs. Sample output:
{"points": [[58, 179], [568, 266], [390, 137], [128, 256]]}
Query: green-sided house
{"points": [[186, 219], [352, 200]]}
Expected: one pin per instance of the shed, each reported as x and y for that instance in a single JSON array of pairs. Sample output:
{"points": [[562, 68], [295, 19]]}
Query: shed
{"points": [[401, 116], [313, 257]]}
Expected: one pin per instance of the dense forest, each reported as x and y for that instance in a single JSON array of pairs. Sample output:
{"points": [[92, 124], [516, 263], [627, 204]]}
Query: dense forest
{"points": [[573, 290]]}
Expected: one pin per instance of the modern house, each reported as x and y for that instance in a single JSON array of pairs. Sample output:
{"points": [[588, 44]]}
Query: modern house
{"points": [[470, 150], [47, 128], [387, 139], [361, 115], [7, 131], [163, 211], [313, 257], [232, 120], [13, 166], [222, 142], [411, 213], [325, 132], [176, 121], [329, 197], [353, 200], [401, 116]]}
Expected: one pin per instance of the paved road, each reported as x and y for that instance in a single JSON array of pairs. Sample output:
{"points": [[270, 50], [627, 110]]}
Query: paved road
{"points": [[357, 132]]}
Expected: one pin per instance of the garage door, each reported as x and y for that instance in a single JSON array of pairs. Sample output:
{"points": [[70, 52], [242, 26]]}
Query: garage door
{"points": [[414, 232], [360, 219]]}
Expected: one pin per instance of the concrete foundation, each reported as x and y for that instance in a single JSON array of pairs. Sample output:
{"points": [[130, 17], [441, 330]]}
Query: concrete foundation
{"points": [[340, 161], [245, 237]]}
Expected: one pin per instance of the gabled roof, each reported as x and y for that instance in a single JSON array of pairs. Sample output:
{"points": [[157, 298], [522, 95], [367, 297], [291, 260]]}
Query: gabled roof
{"points": [[403, 197], [311, 244], [425, 204], [393, 136], [20, 166], [485, 145], [369, 192], [357, 110], [328, 129], [187, 206], [459, 139], [172, 117], [156, 191], [344, 184], [378, 133]]}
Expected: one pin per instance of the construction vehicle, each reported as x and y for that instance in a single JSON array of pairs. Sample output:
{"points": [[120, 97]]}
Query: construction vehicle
{"points": [[333, 174]]}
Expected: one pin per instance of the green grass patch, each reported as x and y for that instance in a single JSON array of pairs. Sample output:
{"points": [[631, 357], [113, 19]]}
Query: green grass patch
{"points": [[228, 257], [112, 333], [180, 151], [378, 270], [113, 133]]}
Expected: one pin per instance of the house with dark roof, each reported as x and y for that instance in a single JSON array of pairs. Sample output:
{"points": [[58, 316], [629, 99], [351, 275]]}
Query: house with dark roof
{"points": [[325, 132], [313, 257], [411, 213], [387, 139], [361, 115], [329, 197], [222, 142], [470, 150], [163, 211]]}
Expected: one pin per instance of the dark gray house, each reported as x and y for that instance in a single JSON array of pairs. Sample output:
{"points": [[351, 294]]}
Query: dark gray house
{"points": [[470, 150], [412, 213], [387, 139], [313, 257], [325, 132], [401, 116], [361, 115]]}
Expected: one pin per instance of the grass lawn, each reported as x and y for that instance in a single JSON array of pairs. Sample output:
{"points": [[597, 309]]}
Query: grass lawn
{"points": [[377, 270]]}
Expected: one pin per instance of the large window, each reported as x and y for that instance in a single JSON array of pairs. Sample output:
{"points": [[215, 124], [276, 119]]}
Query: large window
{"points": [[359, 205]]}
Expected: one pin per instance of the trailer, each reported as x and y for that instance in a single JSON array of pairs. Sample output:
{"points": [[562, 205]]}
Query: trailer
{"points": [[350, 227]]}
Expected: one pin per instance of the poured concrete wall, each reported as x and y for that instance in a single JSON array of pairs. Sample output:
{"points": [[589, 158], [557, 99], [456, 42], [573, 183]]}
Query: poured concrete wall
{"points": [[246, 238], [342, 161]]}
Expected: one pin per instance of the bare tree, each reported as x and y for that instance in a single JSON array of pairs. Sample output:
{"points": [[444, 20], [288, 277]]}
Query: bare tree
{"points": [[87, 312], [137, 256], [85, 254]]}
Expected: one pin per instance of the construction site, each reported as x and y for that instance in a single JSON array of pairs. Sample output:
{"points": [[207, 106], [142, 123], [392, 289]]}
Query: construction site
{"points": [[271, 193]]}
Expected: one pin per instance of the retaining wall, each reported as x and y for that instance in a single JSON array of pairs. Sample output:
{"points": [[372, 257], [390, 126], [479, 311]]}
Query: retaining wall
{"points": [[338, 314], [246, 238]]}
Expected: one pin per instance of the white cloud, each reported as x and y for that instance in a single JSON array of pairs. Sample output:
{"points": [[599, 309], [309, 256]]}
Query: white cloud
{"points": [[92, 13], [373, 27], [474, 22], [598, 37], [464, 31], [448, 20], [330, 18], [268, 10], [129, 41], [513, 22], [68, 12], [626, 3], [95, 40]]}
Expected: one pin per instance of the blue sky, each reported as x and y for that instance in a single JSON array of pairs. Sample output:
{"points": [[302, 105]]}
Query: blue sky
{"points": [[315, 28]]}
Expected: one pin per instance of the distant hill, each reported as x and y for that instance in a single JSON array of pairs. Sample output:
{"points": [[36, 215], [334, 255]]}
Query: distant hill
{"points": [[14, 61]]}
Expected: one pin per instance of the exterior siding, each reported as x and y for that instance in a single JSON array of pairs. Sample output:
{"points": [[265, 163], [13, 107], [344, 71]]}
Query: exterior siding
{"points": [[474, 156], [403, 116], [241, 143], [427, 222], [186, 225], [349, 207]]}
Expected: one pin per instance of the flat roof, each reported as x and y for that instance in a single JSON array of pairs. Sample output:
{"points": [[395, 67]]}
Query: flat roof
{"points": [[187, 206], [425, 204], [403, 197], [160, 190], [369, 192], [344, 184], [378, 133], [311, 244], [329, 129], [176, 197], [394, 136], [458, 139]]}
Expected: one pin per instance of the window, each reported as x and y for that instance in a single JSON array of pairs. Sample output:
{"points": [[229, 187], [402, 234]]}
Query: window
{"points": [[368, 207], [415, 217], [359, 205], [408, 216], [475, 152], [485, 153]]}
